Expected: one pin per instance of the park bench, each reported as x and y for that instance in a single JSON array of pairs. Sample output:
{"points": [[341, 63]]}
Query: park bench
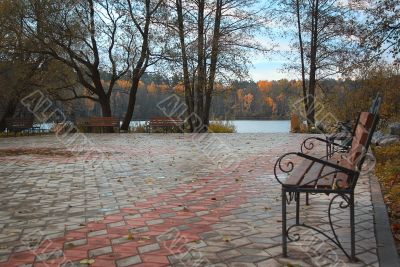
{"points": [[99, 122], [311, 174], [165, 123], [19, 124], [345, 136]]}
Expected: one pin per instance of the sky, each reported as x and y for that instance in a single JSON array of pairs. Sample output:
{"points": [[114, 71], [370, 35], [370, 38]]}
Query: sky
{"points": [[271, 67], [268, 70]]}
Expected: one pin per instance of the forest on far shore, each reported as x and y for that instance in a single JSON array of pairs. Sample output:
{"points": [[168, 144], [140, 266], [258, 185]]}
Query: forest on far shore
{"points": [[265, 99]]}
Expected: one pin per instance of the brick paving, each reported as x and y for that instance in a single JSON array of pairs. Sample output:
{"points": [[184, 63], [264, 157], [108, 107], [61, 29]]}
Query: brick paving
{"points": [[162, 200]]}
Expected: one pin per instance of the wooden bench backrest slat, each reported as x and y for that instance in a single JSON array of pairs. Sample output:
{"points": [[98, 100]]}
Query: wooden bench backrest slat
{"points": [[362, 132], [19, 123], [99, 121], [165, 122], [359, 147]]}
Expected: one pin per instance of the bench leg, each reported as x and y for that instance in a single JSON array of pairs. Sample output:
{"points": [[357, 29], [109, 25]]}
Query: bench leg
{"points": [[307, 199], [284, 239], [353, 246], [297, 208]]}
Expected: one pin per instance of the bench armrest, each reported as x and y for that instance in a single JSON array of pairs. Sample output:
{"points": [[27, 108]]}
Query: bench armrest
{"points": [[288, 166], [328, 163], [308, 144]]}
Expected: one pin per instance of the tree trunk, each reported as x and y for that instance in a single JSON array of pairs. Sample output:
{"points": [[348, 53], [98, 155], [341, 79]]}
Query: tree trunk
{"points": [[313, 64], [140, 67], [131, 105], [303, 74], [106, 112], [201, 79], [213, 64], [185, 66]]}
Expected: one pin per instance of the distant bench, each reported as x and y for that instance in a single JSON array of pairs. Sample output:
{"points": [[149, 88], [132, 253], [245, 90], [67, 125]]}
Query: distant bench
{"points": [[99, 122], [165, 123], [19, 124]]}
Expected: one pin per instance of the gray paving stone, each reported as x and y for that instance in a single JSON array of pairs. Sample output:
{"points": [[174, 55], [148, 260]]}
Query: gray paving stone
{"points": [[100, 251], [149, 248], [128, 261]]}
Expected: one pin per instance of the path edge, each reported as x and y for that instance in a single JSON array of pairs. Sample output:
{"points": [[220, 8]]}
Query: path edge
{"points": [[386, 249]]}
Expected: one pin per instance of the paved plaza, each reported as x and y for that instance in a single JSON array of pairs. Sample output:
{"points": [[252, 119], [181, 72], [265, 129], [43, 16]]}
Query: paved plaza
{"points": [[163, 200]]}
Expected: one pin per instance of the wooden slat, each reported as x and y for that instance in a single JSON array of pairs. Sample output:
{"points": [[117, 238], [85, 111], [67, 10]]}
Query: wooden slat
{"points": [[164, 122], [312, 174], [326, 181], [366, 120], [298, 172]]}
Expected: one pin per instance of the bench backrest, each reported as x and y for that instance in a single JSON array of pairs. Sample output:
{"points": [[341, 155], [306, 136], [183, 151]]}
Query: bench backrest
{"points": [[355, 157], [104, 121], [19, 123], [376, 104], [364, 130], [166, 121], [99, 121]]}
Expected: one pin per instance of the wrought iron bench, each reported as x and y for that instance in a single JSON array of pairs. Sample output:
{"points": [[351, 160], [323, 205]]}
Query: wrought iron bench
{"points": [[165, 123], [101, 122], [310, 174], [19, 124]]}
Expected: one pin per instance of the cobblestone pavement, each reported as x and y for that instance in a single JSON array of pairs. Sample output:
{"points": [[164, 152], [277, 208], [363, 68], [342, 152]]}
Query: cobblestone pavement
{"points": [[162, 200]]}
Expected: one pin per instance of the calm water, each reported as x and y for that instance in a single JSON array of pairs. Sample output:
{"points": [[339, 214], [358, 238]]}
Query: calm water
{"points": [[261, 126], [242, 126], [252, 126]]}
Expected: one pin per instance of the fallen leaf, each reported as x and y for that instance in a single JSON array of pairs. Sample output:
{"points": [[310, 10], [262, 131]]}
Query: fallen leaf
{"points": [[69, 246], [226, 238], [130, 236], [87, 261]]}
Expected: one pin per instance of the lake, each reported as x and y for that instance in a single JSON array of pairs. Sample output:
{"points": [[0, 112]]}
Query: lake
{"points": [[252, 126], [242, 126], [261, 126]]}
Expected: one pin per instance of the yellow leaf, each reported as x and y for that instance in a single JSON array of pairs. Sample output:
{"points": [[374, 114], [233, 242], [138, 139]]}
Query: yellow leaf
{"points": [[87, 261], [130, 236], [226, 238]]}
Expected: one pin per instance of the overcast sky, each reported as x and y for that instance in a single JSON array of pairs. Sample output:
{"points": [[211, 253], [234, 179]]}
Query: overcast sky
{"points": [[271, 68]]}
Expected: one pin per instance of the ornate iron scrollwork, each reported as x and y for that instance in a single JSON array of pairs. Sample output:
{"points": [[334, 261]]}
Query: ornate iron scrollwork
{"points": [[345, 203]]}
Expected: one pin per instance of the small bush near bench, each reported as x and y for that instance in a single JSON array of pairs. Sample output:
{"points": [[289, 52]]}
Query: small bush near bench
{"points": [[221, 127]]}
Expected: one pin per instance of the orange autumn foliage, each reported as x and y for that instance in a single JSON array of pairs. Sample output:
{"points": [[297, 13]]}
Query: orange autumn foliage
{"points": [[248, 99], [264, 86], [179, 88], [164, 87], [152, 88], [270, 102], [240, 94], [124, 84]]}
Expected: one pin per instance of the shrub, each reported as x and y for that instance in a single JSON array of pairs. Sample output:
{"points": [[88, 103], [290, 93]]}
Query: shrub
{"points": [[388, 172], [221, 127], [138, 128]]}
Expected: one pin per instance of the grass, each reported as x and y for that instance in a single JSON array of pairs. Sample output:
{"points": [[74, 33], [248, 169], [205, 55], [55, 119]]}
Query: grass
{"points": [[139, 128], [388, 172], [221, 127], [8, 135]]}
